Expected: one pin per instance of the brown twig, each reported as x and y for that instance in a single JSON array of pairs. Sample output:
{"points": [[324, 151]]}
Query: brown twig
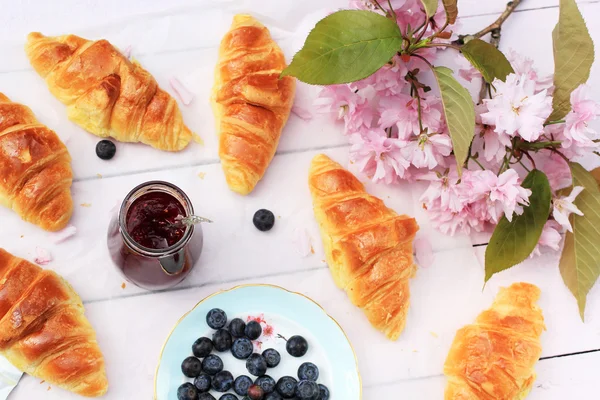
{"points": [[496, 25]]}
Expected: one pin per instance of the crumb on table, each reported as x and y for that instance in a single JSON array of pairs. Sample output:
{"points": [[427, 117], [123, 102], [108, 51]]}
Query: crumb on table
{"points": [[123, 285], [22, 236], [86, 205], [99, 176], [201, 175]]}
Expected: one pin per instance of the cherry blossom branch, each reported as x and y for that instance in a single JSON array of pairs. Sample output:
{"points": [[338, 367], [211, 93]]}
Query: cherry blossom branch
{"points": [[381, 8], [530, 159], [496, 25]]}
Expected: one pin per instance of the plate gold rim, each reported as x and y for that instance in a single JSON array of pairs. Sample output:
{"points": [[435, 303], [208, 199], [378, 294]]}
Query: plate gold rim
{"points": [[256, 285]]}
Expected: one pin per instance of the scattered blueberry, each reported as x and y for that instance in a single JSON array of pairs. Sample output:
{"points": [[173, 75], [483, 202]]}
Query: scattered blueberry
{"points": [[222, 381], [202, 347], [324, 392], [242, 348], [187, 391], [237, 327], [222, 340], [266, 383], [255, 392], [308, 372], [263, 220], [286, 387], [206, 396], [202, 382], [212, 364], [273, 396], [308, 390], [256, 364], [105, 149], [216, 318], [297, 346], [241, 385], [272, 356], [191, 367], [228, 396], [253, 330]]}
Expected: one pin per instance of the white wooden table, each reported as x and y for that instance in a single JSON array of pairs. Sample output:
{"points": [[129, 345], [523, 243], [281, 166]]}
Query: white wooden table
{"points": [[179, 39]]}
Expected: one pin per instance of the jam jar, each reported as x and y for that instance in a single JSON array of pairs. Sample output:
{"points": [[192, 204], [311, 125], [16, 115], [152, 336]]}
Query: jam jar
{"points": [[147, 242]]}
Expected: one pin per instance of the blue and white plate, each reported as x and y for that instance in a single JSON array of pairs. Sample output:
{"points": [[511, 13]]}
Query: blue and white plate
{"points": [[284, 313]]}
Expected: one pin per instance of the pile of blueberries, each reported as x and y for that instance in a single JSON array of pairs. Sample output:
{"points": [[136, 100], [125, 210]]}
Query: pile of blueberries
{"points": [[237, 337]]}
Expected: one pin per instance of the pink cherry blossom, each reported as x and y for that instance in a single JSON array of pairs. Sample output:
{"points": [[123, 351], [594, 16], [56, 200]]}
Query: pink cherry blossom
{"points": [[360, 118], [517, 109], [402, 111], [563, 207], [550, 238], [556, 169], [524, 66], [388, 80], [487, 142], [423, 252], [443, 189], [466, 70], [584, 110], [427, 151], [338, 100]]}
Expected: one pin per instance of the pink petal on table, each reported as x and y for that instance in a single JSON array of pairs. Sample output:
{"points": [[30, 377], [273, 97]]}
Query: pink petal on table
{"points": [[127, 51], [423, 252], [182, 92], [43, 256], [302, 243], [64, 234], [302, 113]]}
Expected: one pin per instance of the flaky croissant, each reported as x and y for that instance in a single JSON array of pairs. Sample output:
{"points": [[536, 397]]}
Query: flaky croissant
{"points": [[493, 359], [251, 104], [43, 330], [368, 246], [35, 168], [105, 93]]}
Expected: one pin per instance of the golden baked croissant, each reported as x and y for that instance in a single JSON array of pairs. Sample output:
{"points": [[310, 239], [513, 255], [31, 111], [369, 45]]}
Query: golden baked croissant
{"points": [[251, 104], [105, 93], [35, 168], [493, 359], [368, 246], [43, 330]]}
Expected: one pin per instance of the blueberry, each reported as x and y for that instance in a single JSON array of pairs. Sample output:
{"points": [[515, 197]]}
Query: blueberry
{"points": [[266, 383], [255, 392], [273, 396], [242, 348], [216, 318], [324, 392], [263, 220], [222, 381], [256, 364], [253, 330], [308, 372], [212, 365], [237, 327], [286, 387], [308, 390], [206, 396], [187, 391], [272, 356], [191, 367], [202, 382], [222, 340], [105, 149], [297, 346], [228, 396], [202, 347], [241, 385]]}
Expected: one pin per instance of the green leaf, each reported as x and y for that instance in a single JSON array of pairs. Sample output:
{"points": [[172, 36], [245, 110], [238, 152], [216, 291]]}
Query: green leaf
{"points": [[430, 7], [512, 242], [580, 260], [573, 57], [344, 47], [451, 10], [460, 113], [487, 59]]}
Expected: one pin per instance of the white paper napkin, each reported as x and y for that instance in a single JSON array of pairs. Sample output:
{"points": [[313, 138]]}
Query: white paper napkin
{"points": [[9, 377]]}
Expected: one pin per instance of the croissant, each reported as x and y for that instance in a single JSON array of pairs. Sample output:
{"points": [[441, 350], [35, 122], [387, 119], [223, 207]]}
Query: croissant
{"points": [[43, 331], [35, 168], [105, 93], [493, 359], [251, 104], [368, 246]]}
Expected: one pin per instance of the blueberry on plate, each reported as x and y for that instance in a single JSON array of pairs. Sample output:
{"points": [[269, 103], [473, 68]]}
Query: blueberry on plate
{"points": [[187, 391], [308, 390], [308, 372], [256, 365], [324, 392], [266, 383], [202, 382], [242, 348], [212, 364], [263, 220], [222, 340], [237, 327], [272, 356], [253, 330], [216, 318], [255, 392], [296, 346], [286, 387], [228, 396], [241, 385], [202, 347], [105, 149], [222, 381], [273, 396], [206, 396], [191, 367]]}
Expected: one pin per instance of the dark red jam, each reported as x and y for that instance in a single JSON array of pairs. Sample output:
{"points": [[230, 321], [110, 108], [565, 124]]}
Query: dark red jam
{"points": [[150, 220]]}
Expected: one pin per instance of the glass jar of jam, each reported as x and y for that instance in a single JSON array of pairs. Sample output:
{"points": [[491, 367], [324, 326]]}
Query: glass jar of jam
{"points": [[146, 240]]}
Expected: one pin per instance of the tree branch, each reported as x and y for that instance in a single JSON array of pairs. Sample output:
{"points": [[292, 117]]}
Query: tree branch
{"points": [[496, 25]]}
